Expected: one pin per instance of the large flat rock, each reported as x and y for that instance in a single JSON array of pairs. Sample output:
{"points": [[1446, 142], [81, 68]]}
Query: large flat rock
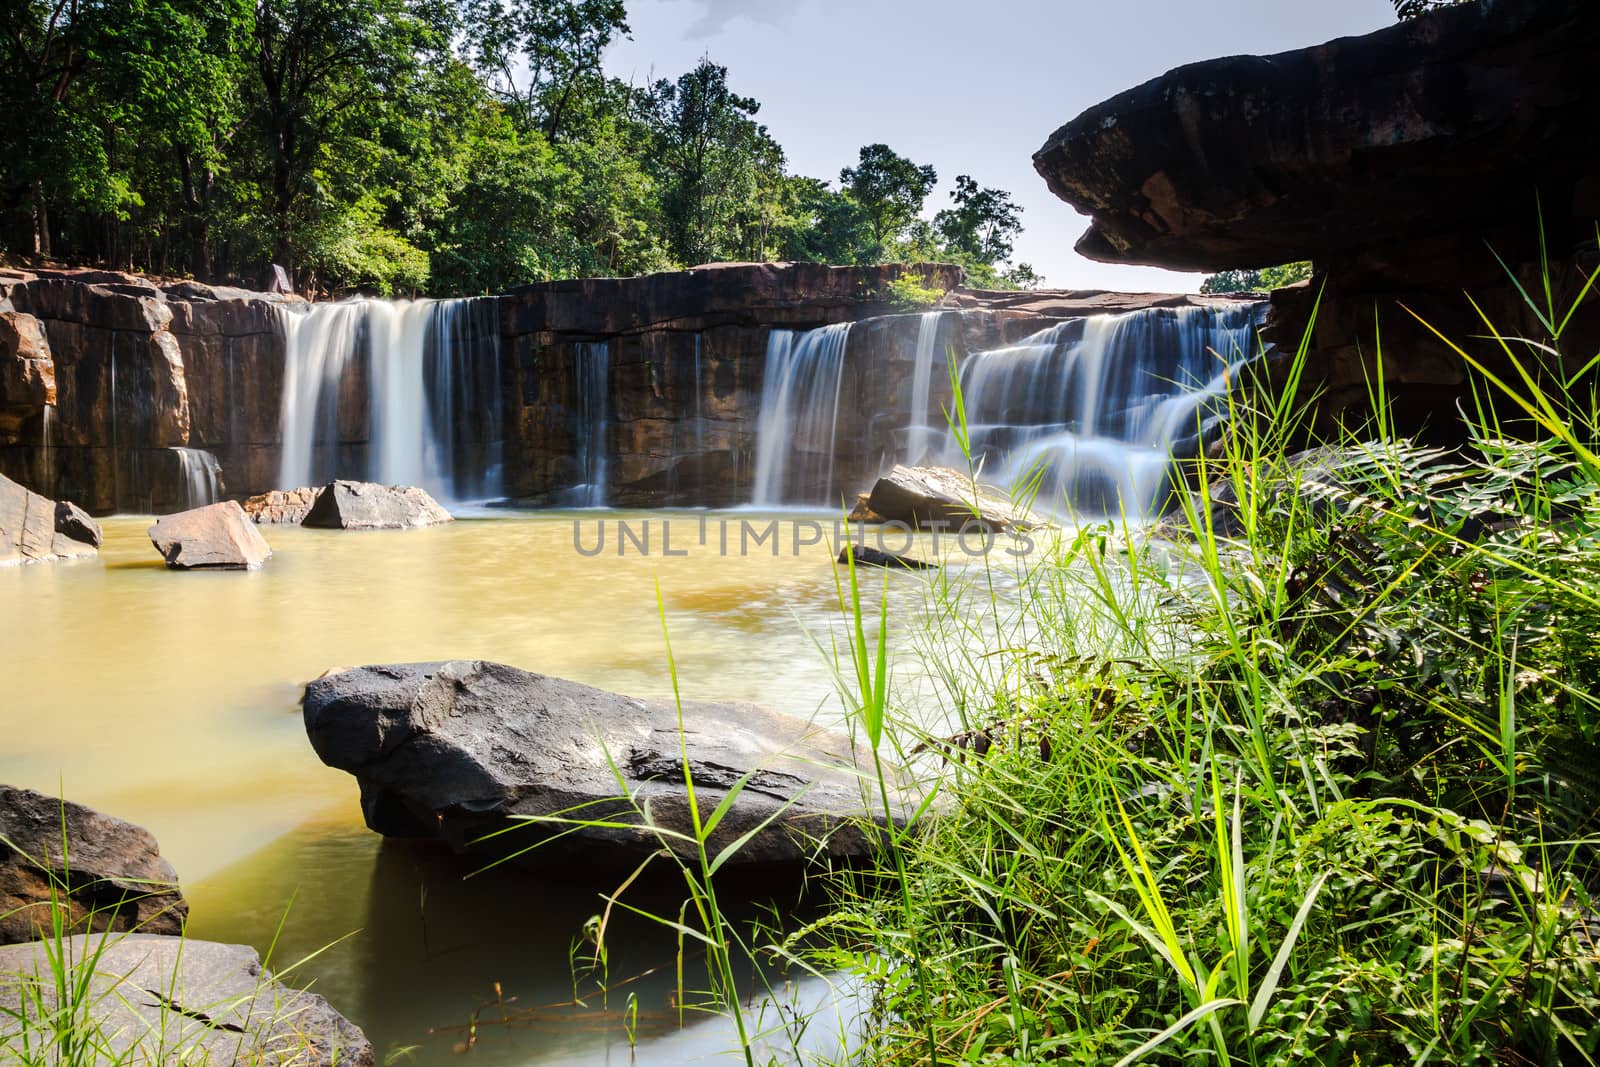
{"points": [[149, 999], [459, 750]]}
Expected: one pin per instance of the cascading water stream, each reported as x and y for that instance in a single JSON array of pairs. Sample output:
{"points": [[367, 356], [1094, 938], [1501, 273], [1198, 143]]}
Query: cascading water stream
{"points": [[917, 433], [593, 421], [433, 398], [798, 425], [1099, 407], [202, 476]]}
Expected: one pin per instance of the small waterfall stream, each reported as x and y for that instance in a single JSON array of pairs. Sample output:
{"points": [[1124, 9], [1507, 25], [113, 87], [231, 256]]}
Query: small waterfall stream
{"points": [[432, 409], [593, 374], [798, 424], [202, 476], [917, 433]]}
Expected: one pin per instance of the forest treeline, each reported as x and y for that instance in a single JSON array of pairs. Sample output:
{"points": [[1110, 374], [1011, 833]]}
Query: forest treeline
{"points": [[397, 146]]}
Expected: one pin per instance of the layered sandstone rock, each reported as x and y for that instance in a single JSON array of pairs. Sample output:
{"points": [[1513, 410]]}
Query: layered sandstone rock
{"points": [[139, 367], [281, 507]]}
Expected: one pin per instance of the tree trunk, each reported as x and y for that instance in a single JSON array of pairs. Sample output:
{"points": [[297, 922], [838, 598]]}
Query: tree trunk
{"points": [[41, 222]]}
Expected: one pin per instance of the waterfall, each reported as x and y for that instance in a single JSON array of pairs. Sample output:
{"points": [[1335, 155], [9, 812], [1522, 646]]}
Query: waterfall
{"points": [[593, 421], [433, 410], [921, 380], [798, 424], [202, 476], [1098, 407]]}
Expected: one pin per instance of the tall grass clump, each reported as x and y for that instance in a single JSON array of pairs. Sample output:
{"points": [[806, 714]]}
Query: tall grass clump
{"points": [[1313, 777]]}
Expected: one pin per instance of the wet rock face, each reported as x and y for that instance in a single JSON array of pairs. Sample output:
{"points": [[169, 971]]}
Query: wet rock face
{"points": [[346, 505], [110, 876], [215, 537], [177, 1000], [459, 750], [36, 530]]}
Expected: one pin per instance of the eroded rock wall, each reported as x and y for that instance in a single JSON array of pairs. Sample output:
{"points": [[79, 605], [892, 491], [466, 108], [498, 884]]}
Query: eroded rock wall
{"points": [[135, 370]]}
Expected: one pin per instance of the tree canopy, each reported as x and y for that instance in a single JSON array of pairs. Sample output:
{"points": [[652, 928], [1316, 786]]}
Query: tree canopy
{"points": [[448, 146]]}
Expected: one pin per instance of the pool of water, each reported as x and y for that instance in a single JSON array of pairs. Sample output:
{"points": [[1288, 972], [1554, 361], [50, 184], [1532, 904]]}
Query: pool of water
{"points": [[171, 699]]}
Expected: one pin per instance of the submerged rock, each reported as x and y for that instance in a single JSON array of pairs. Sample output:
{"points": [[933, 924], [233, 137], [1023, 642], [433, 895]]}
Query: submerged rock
{"points": [[458, 750], [109, 876], [867, 556], [34, 529], [215, 537], [175, 1000], [285, 507], [345, 505], [943, 498]]}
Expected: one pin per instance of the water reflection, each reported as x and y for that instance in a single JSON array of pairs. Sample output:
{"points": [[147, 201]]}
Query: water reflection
{"points": [[427, 955]]}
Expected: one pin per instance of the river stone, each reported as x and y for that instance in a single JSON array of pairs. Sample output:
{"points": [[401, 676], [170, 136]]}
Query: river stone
{"points": [[456, 750], [170, 1000], [33, 530], [215, 537], [943, 498], [110, 877], [345, 505]]}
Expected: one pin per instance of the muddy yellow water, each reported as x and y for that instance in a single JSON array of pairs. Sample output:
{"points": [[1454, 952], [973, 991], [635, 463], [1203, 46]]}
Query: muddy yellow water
{"points": [[170, 699]]}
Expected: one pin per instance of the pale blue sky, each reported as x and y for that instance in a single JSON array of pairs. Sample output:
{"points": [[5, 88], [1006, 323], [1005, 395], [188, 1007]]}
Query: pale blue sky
{"points": [[973, 88]]}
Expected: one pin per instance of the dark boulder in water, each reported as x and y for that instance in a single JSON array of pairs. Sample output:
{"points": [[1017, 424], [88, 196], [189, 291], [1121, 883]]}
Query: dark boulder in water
{"points": [[460, 750], [108, 875], [346, 505]]}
